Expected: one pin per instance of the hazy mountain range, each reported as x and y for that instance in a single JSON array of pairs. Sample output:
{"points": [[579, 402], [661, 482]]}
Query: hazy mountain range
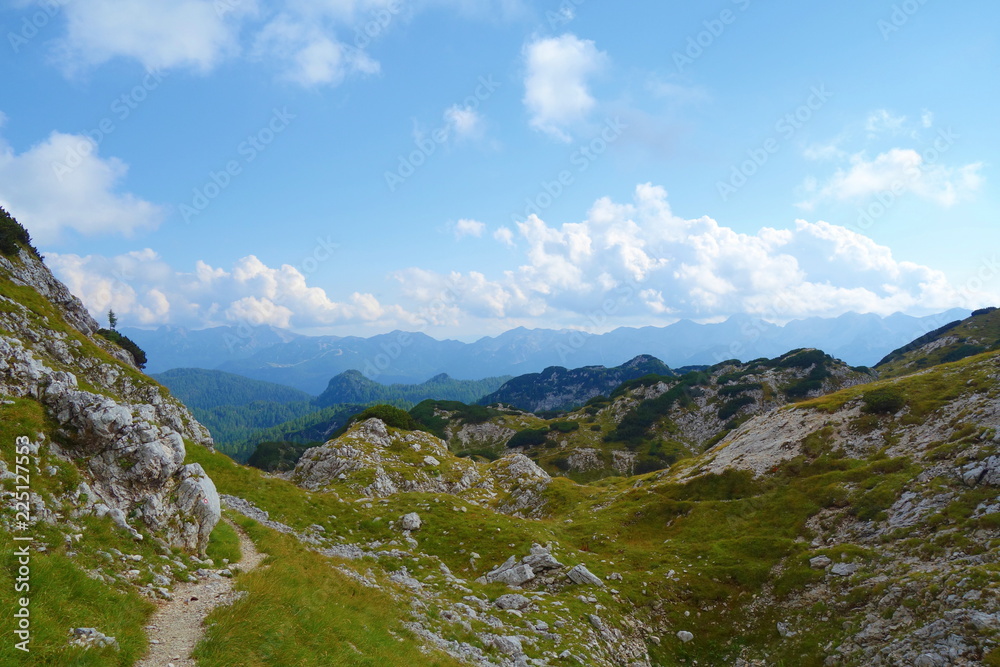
{"points": [[308, 362]]}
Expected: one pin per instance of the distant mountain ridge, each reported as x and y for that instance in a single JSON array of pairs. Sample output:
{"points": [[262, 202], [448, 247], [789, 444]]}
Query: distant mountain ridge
{"points": [[353, 387], [307, 363], [558, 388], [206, 389]]}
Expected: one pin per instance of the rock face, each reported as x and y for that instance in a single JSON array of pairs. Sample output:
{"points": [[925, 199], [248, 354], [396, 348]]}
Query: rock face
{"points": [[380, 462], [127, 440]]}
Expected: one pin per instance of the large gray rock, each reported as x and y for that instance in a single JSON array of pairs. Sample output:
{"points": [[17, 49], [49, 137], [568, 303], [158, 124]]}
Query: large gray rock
{"points": [[410, 521], [579, 574], [541, 559], [510, 573]]}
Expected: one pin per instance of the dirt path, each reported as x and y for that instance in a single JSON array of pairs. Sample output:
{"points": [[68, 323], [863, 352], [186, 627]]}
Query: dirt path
{"points": [[177, 625]]}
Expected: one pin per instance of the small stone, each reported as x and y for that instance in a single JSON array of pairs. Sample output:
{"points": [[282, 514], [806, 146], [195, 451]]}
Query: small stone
{"points": [[820, 562], [685, 636], [512, 601], [845, 569]]}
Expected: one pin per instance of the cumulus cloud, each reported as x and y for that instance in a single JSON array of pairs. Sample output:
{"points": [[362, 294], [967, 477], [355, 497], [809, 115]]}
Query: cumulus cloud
{"points": [[898, 171], [157, 33], [62, 183], [649, 263], [146, 291], [310, 43], [625, 263], [556, 86], [467, 227]]}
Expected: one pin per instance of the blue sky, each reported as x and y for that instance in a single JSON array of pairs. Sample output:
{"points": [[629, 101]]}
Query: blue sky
{"points": [[462, 168]]}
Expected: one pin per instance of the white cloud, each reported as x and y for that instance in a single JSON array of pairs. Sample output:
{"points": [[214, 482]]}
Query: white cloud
{"points": [[464, 122], [307, 54], [557, 92], [882, 121], [899, 171], [625, 263], [144, 290], [467, 227], [157, 33], [63, 184], [639, 262], [505, 236], [313, 43]]}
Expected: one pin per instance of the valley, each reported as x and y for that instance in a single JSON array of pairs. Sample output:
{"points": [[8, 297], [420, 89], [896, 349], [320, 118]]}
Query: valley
{"points": [[787, 511]]}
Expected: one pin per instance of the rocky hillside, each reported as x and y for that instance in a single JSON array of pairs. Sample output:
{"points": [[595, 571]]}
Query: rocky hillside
{"points": [[558, 388], [952, 342], [646, 424], [92, 455], [856, 528]]}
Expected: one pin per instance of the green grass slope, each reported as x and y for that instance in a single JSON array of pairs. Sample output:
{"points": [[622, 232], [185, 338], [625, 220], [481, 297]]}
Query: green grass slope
{"points": [[952, 342], [723, 553]]}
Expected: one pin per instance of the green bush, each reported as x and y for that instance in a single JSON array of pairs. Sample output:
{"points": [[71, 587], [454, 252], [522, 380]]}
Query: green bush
{"points": [[392, 416], [13, 236], [883, 401], [127, 344], [531, 437], [564, 427], [732, 407]]}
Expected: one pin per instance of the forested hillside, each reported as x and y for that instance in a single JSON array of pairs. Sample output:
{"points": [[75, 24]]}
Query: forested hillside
{"points": [[354, 387]]}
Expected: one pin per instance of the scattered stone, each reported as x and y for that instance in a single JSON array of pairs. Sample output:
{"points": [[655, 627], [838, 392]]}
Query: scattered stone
{"points": [[685, 636], [512, 601], [845, 569], [88, 638]]}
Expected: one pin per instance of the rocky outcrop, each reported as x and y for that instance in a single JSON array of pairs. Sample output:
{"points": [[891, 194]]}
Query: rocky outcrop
{"points": [[379, 462], [123, 432]]}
